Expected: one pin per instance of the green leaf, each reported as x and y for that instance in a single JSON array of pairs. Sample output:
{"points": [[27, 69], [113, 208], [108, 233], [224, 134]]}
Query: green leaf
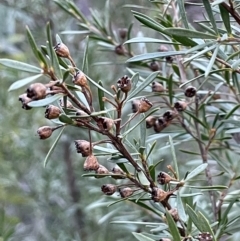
{"points": [[212, 60], [194, 218], [20, 83], [146, 82], [149, 40], [226, 19], [155, 55], [196, 171], [183, 13], [85, 57], [205, 224], [20, 66], [209, 11], [46, 101], [32, 43], [52, 147], [65, 119], [182, 32], [174, 156], [180, 208], [196, 119], [100, 96], [58, 39], [208, 188], [173, 227], [142, 237], [142, 178]]}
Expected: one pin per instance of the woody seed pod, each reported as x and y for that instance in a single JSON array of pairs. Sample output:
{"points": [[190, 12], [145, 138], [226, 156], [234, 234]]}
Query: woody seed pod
{"points": [[25, 100], [119, 49], [122, 33], [157, 87], [154, 66], [109, 189], [37, 91], [91, 163], [190, 91], [83, 147], [144, 105], [102, 170], [62, 50], [150, 121], [106, 123], [124, 84], [205, 237], [80, 79], [164, 178], [126, 192], [180, 105], [135, 105], [45, 132], [160, 124], [158, 195], [169, 115], [52, 112], [174, 213], [118, 171]]}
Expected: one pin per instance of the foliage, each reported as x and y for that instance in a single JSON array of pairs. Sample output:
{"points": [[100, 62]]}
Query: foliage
{"points": [[184, 99]]}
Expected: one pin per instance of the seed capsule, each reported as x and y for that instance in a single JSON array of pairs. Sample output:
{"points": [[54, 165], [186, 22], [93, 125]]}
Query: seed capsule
{"points": [[164, 178], [80, 79], [91, 163], [180, 105], [135, 105], [126, 192], [25, 100], [106, 123], [124, 84], [190, 91], [37, 91], [62, 50], [160, 124], [158, 195], [122, 33], [205, 237], [109, 189], [154, 66], [150, 121], [52, 112], [169, 115], [83, 147], [102, 170], [119, 49], [144, 105], [157, 87], [45, 132]]}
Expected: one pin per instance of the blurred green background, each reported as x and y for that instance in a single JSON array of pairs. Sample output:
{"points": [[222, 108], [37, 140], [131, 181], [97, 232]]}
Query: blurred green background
{"points": [[52, 203]]}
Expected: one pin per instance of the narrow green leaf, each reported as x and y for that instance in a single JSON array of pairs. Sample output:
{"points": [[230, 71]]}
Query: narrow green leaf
{"points": [[146, 82], [32, 43], [142, 178], [173, 227], [20, 83], [155, 55], [20, 66], [170, 89], [152, 171], [196, 119], [123, 167], [174, 156], [42, 60], [212, 60], [58, 39], [141, 237], [196, 171], [226, 19], [183, 13], [53, 147], [85, 57], [194, 218], [129, 36], [208, 188], [149, 40], [189, 33], [65, 119], [152, 146], [100, 97], [49, 41], [46, 101], [180, 208], [209, 11], [74, 10], [205, 224]]}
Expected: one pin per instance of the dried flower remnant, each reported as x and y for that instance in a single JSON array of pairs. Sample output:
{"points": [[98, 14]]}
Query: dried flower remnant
{"points": [[150, 121], [164, 178], [62, 50], [126, 192], [45, 132], [83, 147], [160, 124], [102, 170], [169, 115], [119, 50], [109, 189], [135, 105], [190, 91], [36, 91], [157, 87], [144, 105], [124, 84], [158, 195], [180, 105], [25, 100], [154, 66], [122, 33], [106, 123], [52, 112], [80, 79], [205, 237], [91, 163]]}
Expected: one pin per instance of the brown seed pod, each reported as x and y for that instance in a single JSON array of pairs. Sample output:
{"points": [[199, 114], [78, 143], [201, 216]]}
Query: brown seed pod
{"points": [[174, 213], [150, 121], [122, 32], [119, 50], [37, 91], [52, 112], [118, 171], [91, 163], [25, 100], [45, 132], [169, 115], [164, 178], [83, 147], [62, 50], [124, 84], [144, 105], [109, 189], [80, 79], [102, 170], [135, 105], [180, 105], [154, 66], [126, 192], [158, 195], [190, 91], [157, 87], [205, 237], [160, 124], [106, 123]]}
